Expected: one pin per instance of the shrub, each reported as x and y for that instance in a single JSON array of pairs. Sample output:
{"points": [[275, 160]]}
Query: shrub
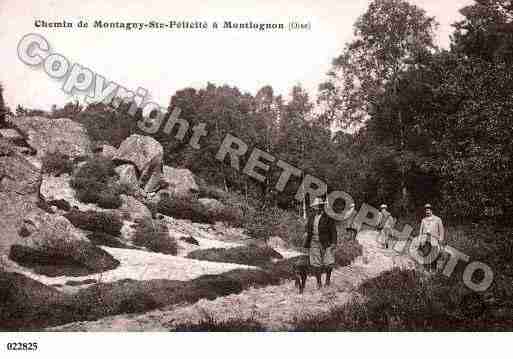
{"points": [[56, 163], [155, 236], [106, 222], [96, 182], [347, 252], [248, 255], [270, 222], [104, 239], [184, 208]]}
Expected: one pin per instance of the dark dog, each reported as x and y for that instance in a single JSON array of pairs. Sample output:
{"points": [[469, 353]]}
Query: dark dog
{"points": [[302, 270]]}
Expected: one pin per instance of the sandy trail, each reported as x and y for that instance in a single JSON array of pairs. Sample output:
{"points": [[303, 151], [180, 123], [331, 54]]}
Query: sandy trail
{"points": [[276, 307]]}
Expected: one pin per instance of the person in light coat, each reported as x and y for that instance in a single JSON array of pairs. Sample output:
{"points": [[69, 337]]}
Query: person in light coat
{"points": [[432, 233], [385, 223]]}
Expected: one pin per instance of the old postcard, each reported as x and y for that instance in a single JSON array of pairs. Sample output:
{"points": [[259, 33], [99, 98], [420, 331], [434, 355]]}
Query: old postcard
{"points": [[255, 166]]}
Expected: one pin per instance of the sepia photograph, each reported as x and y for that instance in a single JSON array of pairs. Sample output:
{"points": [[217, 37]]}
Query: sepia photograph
{"points": [[280, 166]]}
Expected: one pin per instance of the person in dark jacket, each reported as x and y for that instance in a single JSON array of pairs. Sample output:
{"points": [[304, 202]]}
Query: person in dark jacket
{"points": [[321, 240]]}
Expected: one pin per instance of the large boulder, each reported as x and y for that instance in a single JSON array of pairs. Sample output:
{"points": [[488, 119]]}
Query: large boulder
{"points": [[133, 209], [181, 181], [211, 205], [19, 194], [109, 151], [146, 154], [128, 175], [55, 190], [62, 135], [51, 240], [18, 175]]}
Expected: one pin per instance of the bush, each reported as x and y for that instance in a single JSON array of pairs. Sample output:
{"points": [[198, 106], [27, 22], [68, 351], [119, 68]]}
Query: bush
{"points": [[96, 182], [56, 163], [347, 252], [184, 208], [154, 236], [93, 221], [274, 222], [248, 255], [107, 240]]}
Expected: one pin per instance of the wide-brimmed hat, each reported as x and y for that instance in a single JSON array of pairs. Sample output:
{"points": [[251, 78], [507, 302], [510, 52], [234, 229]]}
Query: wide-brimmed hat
{"points": [[317, 202], [383, 206]]}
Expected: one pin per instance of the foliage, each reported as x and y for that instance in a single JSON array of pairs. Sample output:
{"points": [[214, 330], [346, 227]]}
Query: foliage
{"points": [[154, 236], [106, 222], [211, 324], [95, 181], [3, 110], [389, 37], [56, 163], [251, 255]]}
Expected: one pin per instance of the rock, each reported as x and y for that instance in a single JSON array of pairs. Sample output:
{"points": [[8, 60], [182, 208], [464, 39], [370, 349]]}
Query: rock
{"points": [[109, 151], [128, 175], [181, 181], [11, 134], [212, 206], [52, 240], [146, 154], [51, 135], [133, 209], [19, 194], [18, 175], [56, 190], [276, 243]]}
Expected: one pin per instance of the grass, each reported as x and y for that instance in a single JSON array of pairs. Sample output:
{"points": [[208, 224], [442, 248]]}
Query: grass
{"points": [[211, 324], [154, 236], [190, 208], [251, 255], [75, 259], [104, 239], [407, 300], [105, 222]]}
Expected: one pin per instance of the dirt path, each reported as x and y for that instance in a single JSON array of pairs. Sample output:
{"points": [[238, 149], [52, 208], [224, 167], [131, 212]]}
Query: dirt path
{"points": [[276, 307]]}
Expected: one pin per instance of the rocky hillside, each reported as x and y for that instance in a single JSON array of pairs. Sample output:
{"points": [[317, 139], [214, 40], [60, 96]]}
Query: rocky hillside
{"points": [[78, 216]]}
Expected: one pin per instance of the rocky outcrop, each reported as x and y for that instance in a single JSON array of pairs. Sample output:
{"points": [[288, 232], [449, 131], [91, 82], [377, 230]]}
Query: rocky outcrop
{"points": [[51, 240], [109, 151], [128, 175], [146, 154], [133, 209], [276, 243], [181, 181], [58, 189], [19, 193], [47, 135], [212, 206]]}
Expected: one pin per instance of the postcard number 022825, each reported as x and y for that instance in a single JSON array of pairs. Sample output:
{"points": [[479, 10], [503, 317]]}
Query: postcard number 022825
{"points": [[17, 346]]}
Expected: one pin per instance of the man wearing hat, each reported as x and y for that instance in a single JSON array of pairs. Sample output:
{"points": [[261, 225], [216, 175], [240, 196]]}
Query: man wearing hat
{"points": [[385, 222], [321, 240], [432, 234]]}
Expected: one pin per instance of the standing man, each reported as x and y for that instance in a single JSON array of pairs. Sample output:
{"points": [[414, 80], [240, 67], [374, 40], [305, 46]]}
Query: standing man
{"points": [[385, 222], [432, 234], [321, 240]]}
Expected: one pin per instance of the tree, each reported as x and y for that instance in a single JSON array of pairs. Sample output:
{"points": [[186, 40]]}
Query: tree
{"points": [[3, 110], [390, 37], [487, 31]]}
